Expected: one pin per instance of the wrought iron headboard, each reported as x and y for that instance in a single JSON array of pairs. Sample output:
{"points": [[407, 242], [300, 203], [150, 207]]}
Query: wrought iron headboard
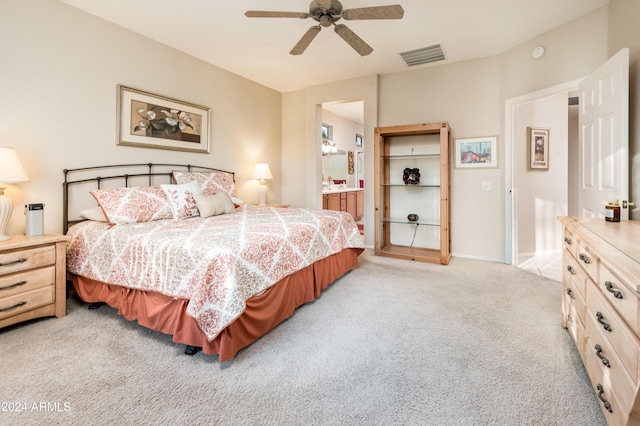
{"points": [[140, 170]]}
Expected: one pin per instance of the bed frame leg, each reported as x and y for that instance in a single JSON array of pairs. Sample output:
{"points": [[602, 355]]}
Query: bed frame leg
{"points": [[95, 305], [192, 350]]}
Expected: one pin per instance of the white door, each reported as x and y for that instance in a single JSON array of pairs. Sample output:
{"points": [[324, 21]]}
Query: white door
{"points": [[604, 137]]}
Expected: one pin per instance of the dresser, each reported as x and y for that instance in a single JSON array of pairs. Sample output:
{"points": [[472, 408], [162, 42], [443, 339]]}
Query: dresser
{"points": [[601, 309], [32, 278]]}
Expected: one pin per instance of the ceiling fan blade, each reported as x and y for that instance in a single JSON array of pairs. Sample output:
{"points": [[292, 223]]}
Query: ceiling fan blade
{"points": [[375, 12], [353, 40], [306, 40], [270, 14]]}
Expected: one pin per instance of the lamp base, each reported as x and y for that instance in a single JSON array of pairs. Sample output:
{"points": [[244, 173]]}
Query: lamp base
{"points": [[262, 194], [6, 208]]}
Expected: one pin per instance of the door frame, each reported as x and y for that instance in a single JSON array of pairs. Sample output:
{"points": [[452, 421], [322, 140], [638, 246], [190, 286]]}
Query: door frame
{"points": [[511, 215]]}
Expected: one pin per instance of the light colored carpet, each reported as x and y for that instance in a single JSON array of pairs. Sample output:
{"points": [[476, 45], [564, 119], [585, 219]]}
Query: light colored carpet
{"points": [[391, 343]]}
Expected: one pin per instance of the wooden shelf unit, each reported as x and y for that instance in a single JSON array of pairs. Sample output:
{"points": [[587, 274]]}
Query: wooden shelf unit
{"points": [[410, 145]]}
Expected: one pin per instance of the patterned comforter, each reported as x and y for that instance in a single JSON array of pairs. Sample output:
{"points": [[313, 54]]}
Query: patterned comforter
{"points": [[216, 263]]}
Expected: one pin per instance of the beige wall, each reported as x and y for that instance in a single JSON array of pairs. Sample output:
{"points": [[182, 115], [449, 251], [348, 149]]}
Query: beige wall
{"points": [[60, 68]]}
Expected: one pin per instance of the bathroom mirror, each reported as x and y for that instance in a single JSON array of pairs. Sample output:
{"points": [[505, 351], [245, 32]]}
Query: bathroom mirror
{"points": [[335, 165]]}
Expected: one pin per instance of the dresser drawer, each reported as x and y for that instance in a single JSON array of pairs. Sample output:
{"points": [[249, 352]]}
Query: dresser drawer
{"points": [[620, 296], [601, 355], [614, 411], [573, 274], [21, 260], [574, 298], [570, 241], [574, 324], [613, 329], [27, 301], [21, 282], [588, 260]]}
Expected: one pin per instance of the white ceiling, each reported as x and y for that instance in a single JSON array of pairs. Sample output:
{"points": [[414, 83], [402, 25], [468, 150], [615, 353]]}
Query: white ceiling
{"points": [[258, 48]]}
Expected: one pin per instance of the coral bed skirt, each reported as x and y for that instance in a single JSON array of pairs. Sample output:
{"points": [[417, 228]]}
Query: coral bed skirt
{"points": [[263, 312]]}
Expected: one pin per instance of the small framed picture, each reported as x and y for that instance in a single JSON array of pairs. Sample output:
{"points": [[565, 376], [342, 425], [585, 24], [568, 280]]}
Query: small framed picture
{"points": [[538, 153], [359, 141], [474, 153]]}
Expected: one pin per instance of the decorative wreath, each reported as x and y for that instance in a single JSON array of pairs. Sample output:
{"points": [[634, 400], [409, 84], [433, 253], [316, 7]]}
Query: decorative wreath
{"points": [[411, 176]]}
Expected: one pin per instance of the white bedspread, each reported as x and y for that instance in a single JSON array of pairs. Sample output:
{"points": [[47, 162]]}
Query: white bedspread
{"points": [[217, 263]]}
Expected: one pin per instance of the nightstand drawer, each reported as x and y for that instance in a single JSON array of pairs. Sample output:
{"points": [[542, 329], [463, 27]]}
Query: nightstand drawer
{"points": [[20, 260], [22, 282], [28, 301]]}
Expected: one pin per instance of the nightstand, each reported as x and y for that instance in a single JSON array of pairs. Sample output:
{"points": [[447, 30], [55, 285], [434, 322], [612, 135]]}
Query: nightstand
{"points": [[32, 278]]}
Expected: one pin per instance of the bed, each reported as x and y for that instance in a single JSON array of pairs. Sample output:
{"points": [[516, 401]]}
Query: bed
{"points": [[172, 247]]}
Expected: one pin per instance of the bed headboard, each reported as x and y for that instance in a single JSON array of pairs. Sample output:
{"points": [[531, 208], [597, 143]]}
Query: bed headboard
{"points": [[115, 175]]}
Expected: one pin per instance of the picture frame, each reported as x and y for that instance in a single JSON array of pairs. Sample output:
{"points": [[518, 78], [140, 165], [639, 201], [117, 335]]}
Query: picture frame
{"points": [[153, 121], [350, 165], [476, 153], [538, 148], [358, 140]]}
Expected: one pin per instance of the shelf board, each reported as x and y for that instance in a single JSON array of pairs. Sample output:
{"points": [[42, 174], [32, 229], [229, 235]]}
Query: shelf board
{"points": [[410, 156], [412, 253], [407, 222], [402, 185]]}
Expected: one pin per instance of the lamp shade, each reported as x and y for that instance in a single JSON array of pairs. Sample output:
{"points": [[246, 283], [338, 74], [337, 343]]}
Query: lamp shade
{"points": [[262, 171], [11, 170]]}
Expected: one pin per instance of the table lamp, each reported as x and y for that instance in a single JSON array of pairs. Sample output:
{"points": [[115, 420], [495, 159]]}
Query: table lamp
{"points": [[11, 171], [262, 172]]}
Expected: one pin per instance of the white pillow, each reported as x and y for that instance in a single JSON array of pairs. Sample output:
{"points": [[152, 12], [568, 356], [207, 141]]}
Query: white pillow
{"points": [[214, 205], [94, 213], [181, 199]]}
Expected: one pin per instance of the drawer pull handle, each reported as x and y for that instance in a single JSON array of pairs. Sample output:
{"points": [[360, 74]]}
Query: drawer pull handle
{"points": [[13, 262], [570, 319], [570, 293], [567, 240], [18, 284], [604, 360], [17, 305], [571, 269], [584, 258], [607, 404], [616, 293], [600, 319]]}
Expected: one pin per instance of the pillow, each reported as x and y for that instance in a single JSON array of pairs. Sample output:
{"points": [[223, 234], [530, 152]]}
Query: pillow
{"points": [[94, 213], [211, 183], [181, 200], [214, 205], [132, 205]]}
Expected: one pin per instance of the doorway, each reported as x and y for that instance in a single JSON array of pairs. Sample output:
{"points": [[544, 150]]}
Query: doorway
{"points": [[535, 197]]}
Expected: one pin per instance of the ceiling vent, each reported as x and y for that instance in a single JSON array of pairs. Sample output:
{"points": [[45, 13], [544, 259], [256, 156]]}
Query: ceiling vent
{"points": [[426, 55]]}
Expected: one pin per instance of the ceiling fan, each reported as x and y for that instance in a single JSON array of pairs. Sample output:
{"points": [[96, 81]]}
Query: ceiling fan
{"points": [[327, 13]]}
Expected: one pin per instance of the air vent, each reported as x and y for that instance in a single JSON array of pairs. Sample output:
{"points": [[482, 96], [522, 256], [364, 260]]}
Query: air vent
{"points": [[426, 55], [573, 100]]}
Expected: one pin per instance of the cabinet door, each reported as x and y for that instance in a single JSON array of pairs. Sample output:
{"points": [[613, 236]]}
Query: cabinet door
{"points": [[351, 203], [333, 202], [359, 205]]}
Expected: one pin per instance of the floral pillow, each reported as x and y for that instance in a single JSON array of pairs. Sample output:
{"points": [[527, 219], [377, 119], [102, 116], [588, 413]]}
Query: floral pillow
{"points": [[132, 205], [181, 199], [211, 183]]}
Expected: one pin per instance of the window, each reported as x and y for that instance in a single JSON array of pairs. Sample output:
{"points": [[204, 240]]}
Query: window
{"points": [[327, 132]]}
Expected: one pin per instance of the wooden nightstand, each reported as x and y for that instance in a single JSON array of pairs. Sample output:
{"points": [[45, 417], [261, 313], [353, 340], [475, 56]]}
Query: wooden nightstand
{"points": [[32, 278]]}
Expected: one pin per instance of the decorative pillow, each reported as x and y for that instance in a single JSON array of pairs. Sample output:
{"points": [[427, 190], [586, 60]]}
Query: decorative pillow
{"points": [[213, 205], [132, 205], [210, 183], [181, 200], [94, 213]]}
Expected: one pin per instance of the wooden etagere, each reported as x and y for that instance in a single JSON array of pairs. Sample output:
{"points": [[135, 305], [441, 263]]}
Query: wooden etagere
{"points": [[425, 147]]}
